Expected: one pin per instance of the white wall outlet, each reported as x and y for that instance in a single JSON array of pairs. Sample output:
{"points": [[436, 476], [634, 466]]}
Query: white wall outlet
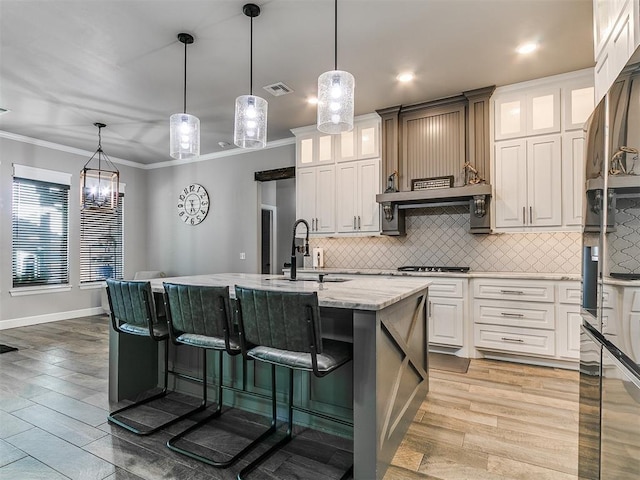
{"points": [[243, 256]]}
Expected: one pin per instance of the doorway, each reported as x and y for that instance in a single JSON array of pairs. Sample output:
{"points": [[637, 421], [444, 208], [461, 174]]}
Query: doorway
{"points": [[268, 239]]}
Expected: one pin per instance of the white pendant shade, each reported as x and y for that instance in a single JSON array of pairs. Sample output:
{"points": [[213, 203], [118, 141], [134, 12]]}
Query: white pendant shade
{"points": [[184, 132], [335, 101], [250, 129]]}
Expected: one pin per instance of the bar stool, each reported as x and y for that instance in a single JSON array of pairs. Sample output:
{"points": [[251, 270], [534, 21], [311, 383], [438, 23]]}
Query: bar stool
{"points": [[283, 328], [201, 316], [133, 312]]}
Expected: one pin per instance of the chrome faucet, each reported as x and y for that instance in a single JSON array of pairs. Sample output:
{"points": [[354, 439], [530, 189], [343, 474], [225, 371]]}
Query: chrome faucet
{"points": [[301, 248]]}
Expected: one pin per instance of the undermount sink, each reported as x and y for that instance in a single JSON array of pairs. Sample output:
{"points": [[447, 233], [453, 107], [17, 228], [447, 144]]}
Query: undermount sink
{"points": [[315, 278]]}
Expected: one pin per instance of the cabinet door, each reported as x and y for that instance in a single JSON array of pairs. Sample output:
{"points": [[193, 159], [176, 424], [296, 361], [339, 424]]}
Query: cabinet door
{"points": [[572, 177], [346, 146], [510, 116], [511, 186], [368, 143], [544, 182], [325, 199], [306, 195], [578, 103], [368, 186], [568, 332], [446, 322], [346, 196], [314, 149], [304, 150], [543, 111]]}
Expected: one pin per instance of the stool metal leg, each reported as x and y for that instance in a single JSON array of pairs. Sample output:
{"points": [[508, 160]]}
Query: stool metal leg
{"points": [[210, 461], [164, 392]]}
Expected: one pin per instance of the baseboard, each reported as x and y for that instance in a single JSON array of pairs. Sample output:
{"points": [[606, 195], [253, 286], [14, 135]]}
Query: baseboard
{"points": [[49, 317]]}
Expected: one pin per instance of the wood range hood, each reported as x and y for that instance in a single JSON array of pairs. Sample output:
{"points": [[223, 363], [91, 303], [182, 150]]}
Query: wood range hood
{"points": [[431, 140]]}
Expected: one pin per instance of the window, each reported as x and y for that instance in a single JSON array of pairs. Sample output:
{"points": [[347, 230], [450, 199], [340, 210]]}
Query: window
{"points": [[101, 243], [40, 217]]}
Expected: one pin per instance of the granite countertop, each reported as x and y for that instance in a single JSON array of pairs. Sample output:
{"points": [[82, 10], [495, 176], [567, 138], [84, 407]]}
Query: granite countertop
{"points": [[396, 273], [356, 292]]}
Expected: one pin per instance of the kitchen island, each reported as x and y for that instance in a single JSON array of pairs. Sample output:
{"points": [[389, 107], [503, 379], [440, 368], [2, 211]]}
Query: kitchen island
{"points": [[386, 320]]}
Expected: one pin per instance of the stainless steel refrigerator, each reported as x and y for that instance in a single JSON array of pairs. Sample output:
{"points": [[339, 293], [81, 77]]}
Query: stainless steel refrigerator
{"points": [[609, 433]]}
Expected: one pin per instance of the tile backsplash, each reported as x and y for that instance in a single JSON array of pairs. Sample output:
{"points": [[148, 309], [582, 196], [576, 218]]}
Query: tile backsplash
{"points": [[624, 241], [439, 236]]}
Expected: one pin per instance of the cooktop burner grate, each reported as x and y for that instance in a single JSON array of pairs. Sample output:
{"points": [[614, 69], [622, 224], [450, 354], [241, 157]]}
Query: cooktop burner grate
{"points": [[431, 268]]}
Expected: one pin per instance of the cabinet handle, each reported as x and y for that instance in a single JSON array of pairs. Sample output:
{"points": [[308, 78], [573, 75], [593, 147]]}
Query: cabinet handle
{"points": [[358, 222], [507, 339], [317, 224], [516, 315], [354, 222], [313, 224], [524, 219], [530, 215], [429, 313], [513, 292]]}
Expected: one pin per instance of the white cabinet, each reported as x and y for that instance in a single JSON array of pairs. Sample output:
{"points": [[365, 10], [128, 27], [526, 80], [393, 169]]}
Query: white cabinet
{"points": [[616, 36], [528, 182], [356, 187], [572, 177], [530, 112], [313, 148], [538, 148], [514, 316], [315, 197], [447, 312], [360, 143], [568, 332], [338, 178]]}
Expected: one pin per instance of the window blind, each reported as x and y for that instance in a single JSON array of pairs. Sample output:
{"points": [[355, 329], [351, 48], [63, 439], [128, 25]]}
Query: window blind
{"points": [[40, 219], [101, 243]]}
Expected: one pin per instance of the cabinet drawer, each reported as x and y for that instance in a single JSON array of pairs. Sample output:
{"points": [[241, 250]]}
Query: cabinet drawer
{"points": [[569, 292], [515, 314], [452, 288], [532, 291], [513, 339]]}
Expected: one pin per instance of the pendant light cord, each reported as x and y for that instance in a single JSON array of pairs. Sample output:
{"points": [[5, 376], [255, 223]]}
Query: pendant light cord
{"points": [[251, 59], [335, 30], [185, 78]]}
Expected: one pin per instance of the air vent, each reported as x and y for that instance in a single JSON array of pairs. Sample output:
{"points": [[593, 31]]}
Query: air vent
{"points": [[4, 110], [278, 89]]}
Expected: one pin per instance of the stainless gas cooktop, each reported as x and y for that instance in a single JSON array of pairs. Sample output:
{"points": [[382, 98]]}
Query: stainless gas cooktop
{"points": [[431, 268]]}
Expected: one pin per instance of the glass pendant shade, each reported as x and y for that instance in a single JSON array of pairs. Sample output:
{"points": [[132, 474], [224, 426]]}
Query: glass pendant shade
{"points": [[184, 133], [250, 130], [335, 101], [99, 188]]}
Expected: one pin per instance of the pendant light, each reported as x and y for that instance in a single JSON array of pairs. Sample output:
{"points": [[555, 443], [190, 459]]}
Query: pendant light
{"points": [[184, 129], [99, 183], [335, 94], [250, 128]]}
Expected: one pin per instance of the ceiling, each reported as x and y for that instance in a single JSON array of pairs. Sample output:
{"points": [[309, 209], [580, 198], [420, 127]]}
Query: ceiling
{"points": [[66, 64]]}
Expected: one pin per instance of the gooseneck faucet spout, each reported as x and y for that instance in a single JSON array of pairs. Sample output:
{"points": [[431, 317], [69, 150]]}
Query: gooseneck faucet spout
{"points": [[303, 248]]}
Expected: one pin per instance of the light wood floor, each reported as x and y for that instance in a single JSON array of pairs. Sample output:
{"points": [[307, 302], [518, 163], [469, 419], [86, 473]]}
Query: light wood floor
{"points": [[498, 421]]}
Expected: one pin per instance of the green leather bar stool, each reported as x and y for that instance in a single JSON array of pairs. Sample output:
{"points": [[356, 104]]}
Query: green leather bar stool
{"points": [[201, 316], [283, 329], [133, 312]]}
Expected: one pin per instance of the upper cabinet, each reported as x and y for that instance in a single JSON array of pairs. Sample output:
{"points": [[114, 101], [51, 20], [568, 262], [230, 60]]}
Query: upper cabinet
{"points": [[616, 32], [338, 178], [538, 149], [527, 112]]}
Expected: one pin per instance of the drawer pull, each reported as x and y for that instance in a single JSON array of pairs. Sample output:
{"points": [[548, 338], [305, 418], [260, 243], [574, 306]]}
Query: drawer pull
{"points": [[516, 340], [513, 292], [516, 315]]}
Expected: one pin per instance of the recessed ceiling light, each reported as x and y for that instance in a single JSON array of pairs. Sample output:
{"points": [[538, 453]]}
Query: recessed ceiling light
{"points": [[405, 77], [527, 48], [312, 100]]}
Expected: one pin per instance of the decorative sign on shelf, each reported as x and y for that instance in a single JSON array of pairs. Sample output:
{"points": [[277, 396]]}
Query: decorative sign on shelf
{"points": [[431, 183]]}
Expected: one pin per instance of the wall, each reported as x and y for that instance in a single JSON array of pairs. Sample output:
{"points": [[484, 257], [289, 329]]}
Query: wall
{"points": [[286, 195], [77, 302], [232, 225], [439, 236]]}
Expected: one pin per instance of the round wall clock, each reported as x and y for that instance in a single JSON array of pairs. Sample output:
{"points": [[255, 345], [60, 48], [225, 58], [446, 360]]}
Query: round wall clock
{"points": [[193, 204]]}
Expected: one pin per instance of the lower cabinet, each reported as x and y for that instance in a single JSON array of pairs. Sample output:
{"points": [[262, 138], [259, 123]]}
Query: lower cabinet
{"points": [[447, 312], [515, 316]]}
